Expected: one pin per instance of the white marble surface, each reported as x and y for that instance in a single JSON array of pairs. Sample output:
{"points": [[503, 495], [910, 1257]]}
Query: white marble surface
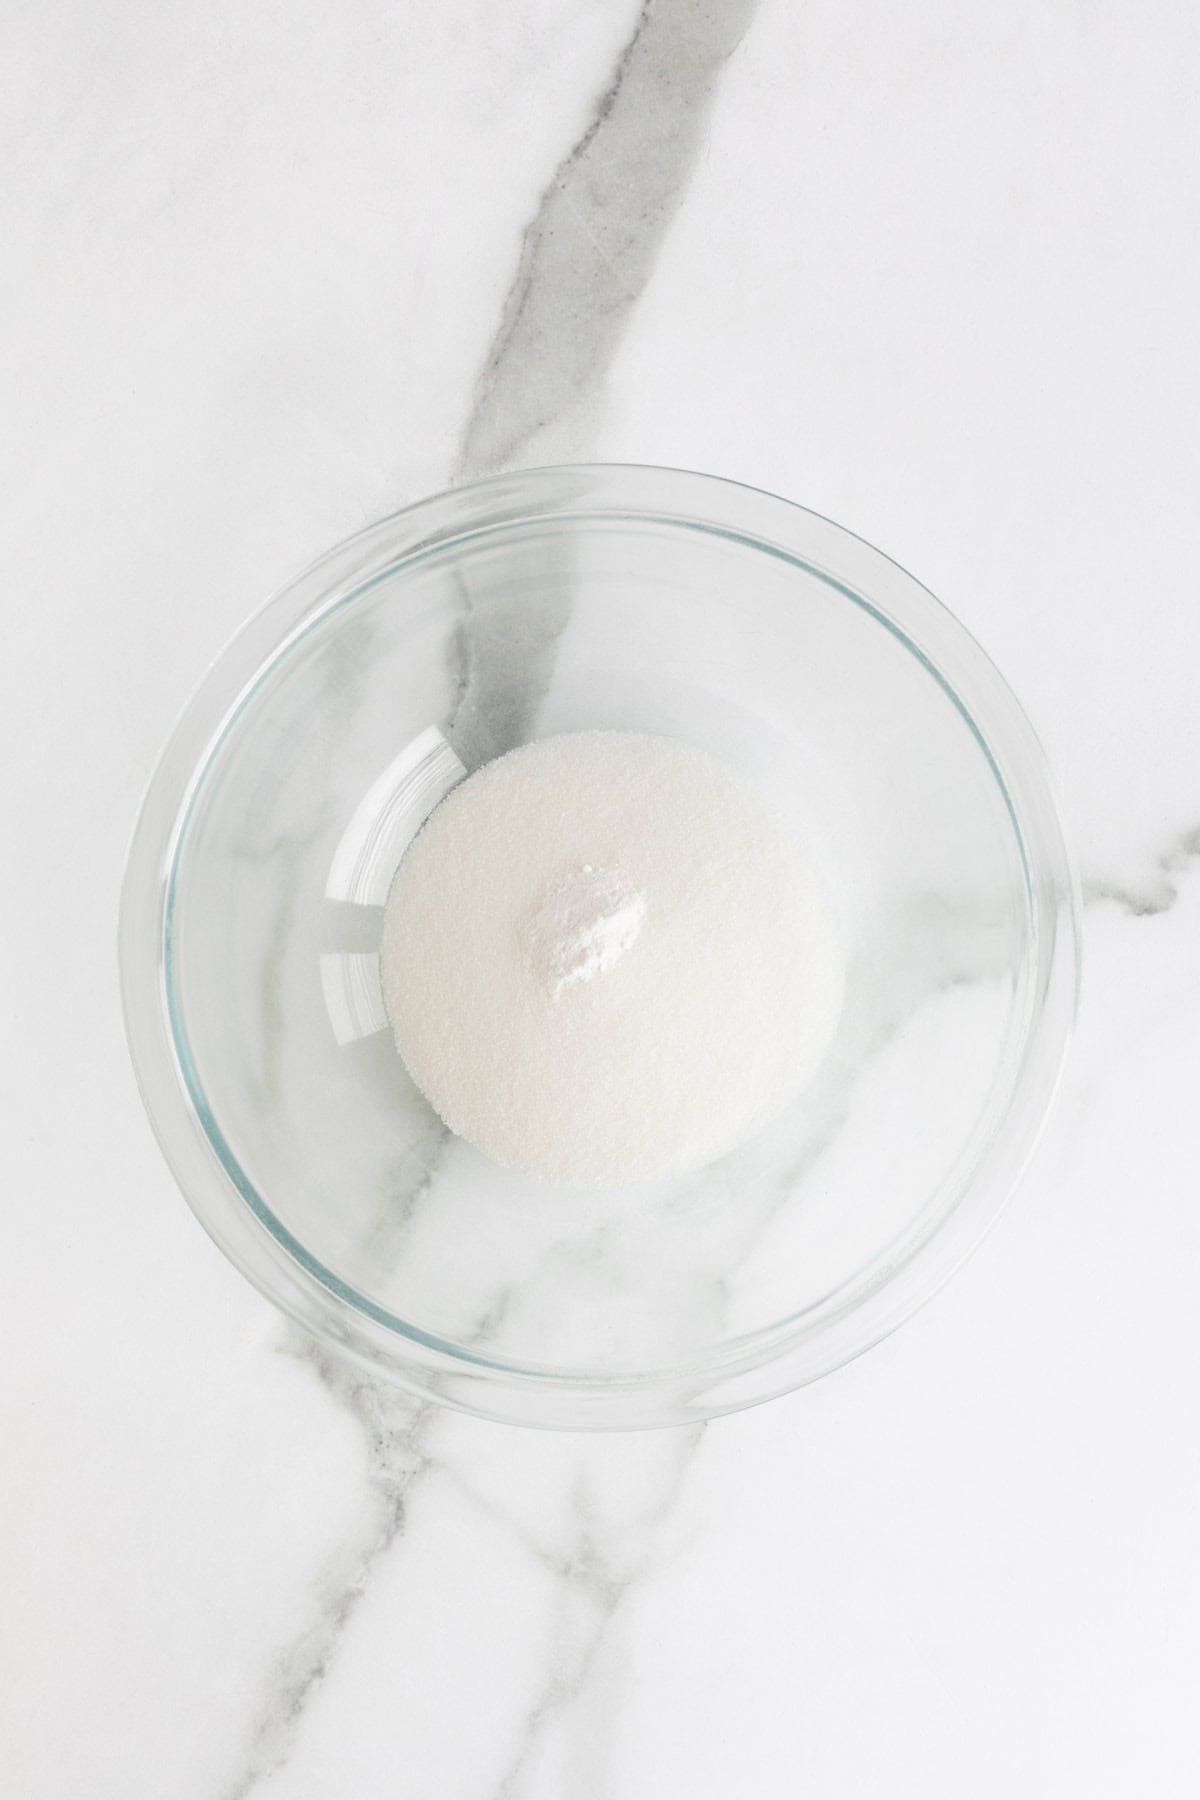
{"points": [[271, 272]]}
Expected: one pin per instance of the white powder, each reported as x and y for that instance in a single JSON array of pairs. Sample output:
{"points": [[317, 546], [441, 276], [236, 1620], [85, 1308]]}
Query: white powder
{"points": [[581, 927], [605, 959]]}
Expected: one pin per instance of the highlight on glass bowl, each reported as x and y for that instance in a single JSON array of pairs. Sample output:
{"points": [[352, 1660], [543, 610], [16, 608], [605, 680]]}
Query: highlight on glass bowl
{"points": [[599, 947]]}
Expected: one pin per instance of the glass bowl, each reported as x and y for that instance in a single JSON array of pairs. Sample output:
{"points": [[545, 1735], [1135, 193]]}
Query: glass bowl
{"points": [[556, 600]]}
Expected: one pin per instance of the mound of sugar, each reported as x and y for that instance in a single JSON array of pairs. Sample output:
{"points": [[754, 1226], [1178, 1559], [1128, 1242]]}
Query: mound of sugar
{"points": [[606, 959]]}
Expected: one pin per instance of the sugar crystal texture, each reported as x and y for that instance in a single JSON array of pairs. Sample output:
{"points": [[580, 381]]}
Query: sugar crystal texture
{"points": [[606, 959]]}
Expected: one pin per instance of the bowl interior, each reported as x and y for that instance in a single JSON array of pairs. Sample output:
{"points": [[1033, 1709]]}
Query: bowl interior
{"points": [[517, 628]]}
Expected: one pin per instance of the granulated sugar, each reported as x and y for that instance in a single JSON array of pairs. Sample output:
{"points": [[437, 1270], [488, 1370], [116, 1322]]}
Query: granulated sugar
{"points": [[605, 959]]}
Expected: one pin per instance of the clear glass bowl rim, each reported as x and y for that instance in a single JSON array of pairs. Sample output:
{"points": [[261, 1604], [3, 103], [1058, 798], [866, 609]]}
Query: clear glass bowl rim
{"points": [[905, 1274]]}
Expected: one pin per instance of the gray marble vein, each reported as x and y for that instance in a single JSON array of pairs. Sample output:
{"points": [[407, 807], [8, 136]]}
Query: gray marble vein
{"points": [[396, 1427], [1158, 893], [580, 1635], [589, 250], [415, 1174], [503, 655], [585, 258], [594, 1580]]}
